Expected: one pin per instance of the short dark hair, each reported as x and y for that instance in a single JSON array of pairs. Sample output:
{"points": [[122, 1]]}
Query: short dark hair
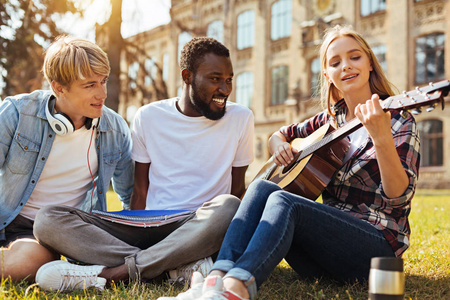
{"points": [[194, 51]]}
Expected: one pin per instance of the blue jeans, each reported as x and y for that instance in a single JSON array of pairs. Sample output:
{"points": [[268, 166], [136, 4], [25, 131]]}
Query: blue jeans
{"points": [[316, 240]]}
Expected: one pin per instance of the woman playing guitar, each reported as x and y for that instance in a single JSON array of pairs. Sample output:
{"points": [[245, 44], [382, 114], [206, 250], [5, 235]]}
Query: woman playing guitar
{"points": [[365, 206]]}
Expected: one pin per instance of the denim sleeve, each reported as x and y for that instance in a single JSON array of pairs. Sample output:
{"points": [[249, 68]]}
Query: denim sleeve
{"points": [[9, 117], [123, 178]]}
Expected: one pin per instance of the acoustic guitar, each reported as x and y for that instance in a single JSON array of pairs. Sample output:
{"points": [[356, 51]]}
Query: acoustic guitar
{"points": [[322, 153]]}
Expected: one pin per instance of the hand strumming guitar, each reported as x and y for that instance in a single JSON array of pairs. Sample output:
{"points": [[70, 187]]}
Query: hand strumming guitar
{"points": [[283, 152]]}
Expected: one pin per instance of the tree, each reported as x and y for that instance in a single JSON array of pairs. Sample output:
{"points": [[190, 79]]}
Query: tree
{"points": [[109, 36], [28, 28]]}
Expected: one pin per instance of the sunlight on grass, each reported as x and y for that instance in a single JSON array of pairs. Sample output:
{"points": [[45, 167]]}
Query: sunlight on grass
{"points": [[112, 201]]}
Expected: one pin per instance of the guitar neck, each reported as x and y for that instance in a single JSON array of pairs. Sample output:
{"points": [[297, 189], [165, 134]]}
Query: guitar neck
{"points": [[414, 99], [331, 137]]}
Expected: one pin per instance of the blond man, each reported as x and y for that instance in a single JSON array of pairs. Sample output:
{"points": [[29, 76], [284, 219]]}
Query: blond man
{"points": [[59, 147]]}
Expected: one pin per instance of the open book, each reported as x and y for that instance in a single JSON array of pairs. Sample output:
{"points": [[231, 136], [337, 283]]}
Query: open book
{"points": [[143, 218]]}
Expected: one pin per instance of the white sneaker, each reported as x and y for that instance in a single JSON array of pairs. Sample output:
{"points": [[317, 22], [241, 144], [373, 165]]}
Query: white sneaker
{"points": [[212, 284], [194, 293], [63, 276], [213, 290], [221, 295], [185, 272]]}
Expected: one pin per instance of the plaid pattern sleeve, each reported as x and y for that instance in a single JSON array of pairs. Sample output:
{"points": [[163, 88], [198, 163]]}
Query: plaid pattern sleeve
{"points": [[357, 188], [302, 130]]}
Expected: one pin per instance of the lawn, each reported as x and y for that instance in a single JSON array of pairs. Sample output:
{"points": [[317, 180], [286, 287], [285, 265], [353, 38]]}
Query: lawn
{"points": [[427, 267]]}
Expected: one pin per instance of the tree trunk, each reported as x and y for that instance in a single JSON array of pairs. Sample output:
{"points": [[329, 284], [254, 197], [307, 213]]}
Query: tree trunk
{"points": [[115, 45]]}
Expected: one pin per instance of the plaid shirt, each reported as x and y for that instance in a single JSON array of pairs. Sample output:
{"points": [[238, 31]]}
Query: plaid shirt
{"points": [[356, 187]]}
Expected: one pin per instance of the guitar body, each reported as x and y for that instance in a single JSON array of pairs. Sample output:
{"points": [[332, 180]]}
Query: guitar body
{"points": [[309, 176]]}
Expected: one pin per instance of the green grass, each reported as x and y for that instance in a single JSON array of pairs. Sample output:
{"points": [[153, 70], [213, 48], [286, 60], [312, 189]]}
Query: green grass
{"points": [[427, 267]]}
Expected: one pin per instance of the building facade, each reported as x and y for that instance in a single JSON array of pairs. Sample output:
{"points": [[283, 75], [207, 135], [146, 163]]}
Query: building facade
{"points": [[274, 49]]}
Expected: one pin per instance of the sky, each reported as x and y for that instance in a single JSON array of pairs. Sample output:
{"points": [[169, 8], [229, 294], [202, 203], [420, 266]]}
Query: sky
{"points": [[137, 15]]}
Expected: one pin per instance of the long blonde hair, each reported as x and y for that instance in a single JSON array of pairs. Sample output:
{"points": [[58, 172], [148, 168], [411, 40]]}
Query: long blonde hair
{"points": [[69, 59], [378, 82]]}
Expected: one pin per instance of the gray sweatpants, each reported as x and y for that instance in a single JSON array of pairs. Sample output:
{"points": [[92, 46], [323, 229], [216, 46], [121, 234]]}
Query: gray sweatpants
{"points": [[147, 252]]}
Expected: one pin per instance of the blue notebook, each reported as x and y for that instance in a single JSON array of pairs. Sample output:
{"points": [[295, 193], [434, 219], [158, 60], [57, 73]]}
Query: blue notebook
{"points": [[143, 218]]}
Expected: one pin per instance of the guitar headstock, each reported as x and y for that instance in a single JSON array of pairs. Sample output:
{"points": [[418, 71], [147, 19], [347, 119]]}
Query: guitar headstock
{"points": [[429, 95]]}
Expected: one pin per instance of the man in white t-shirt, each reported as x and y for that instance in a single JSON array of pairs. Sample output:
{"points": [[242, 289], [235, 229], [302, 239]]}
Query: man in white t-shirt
{"points": [[60, 147], [190, 153]]}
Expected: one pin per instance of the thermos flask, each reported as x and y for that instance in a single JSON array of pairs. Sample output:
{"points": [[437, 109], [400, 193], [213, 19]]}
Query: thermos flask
{"points": [[386, 279]]}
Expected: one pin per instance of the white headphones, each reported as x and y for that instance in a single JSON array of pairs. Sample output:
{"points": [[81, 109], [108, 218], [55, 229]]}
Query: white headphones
{"points": [[59, 122]]}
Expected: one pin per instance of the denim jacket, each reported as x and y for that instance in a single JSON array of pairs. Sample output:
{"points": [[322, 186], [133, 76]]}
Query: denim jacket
{"points": [[26, 139]]}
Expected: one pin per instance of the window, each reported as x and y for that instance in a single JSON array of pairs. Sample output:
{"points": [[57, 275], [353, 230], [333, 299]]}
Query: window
{"points": [[215, 30], [372, 6], [380, 53], [281, 19], [430, 58], [431, 143], [165, 71], [280, 76], [133, 70], [244, 89], [151, 71], [183, 38], [246, 29], [315, 76]]}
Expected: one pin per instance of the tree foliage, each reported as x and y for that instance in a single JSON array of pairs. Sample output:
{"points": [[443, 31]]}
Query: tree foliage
{"points": [[27, 26]]}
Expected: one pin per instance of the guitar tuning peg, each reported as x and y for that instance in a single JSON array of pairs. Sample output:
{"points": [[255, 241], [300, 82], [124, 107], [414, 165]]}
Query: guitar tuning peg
{"points": [[404, 114], [431, 108], [416, 111]]}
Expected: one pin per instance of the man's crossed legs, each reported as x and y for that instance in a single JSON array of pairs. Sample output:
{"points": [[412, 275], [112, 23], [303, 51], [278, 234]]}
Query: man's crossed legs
{"points": [[125, 252]]}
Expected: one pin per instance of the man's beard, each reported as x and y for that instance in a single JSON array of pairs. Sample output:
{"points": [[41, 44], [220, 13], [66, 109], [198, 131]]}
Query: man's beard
{"points": [[203, 107]]}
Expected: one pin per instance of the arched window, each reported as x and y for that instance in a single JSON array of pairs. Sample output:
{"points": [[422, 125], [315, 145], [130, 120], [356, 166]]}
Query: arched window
{"points": [[281, 19], [215, 30], [151, 71], [244, 89], [380, 52], [133, 70], [280, 79], [431, 143], [165, 72], [430, 53], [315, 76], [246, 29], [183, 38], [372, 6]]}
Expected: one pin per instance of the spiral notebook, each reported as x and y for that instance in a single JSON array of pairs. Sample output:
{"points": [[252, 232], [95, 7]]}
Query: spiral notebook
{"points": [[143, 218]]}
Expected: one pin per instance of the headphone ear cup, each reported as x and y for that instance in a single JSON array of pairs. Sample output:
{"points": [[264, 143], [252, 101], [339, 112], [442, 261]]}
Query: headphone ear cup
{"points": [[60, 122], [63, 123]]}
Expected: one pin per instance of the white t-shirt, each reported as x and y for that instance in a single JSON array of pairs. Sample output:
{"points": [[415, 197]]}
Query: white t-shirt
{"points": [[65, 178], [356, 140], [190, 157]]}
